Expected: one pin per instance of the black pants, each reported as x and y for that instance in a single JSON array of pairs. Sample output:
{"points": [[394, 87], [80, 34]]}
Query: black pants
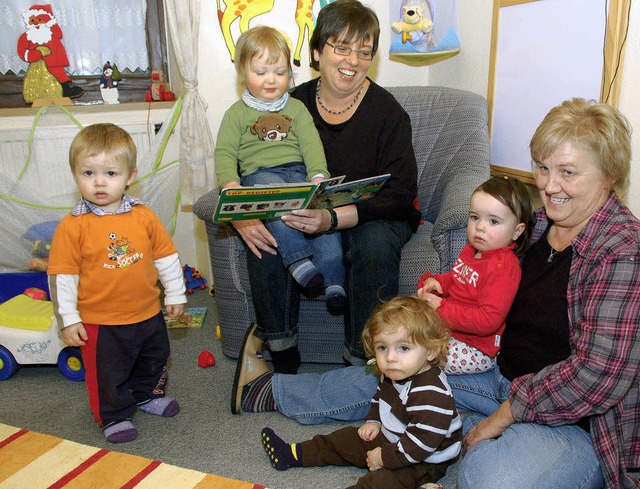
{"points": [[125, 365]]}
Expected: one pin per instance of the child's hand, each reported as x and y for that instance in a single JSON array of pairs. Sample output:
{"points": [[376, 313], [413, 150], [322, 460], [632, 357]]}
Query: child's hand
{"points": [[369, 430], [74, 335], [175, 310], [317, 179], [431, 285], [374, 459], [234, 184], [435, 301]]}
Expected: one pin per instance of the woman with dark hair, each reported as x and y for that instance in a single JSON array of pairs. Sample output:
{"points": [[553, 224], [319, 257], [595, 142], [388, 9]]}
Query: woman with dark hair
{"points": [[365, 132]]}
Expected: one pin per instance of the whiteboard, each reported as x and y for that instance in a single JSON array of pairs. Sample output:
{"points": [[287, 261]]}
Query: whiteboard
{"points": [[547, 51]]}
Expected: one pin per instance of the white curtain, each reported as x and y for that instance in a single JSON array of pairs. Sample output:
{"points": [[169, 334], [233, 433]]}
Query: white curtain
{"points": [[196, 141], [94, 32]]}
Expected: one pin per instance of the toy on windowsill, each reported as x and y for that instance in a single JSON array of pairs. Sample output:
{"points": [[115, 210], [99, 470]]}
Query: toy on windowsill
{"points": [[159, 90], [109, 83], [46, 80], [193, 279], [29, 335]]}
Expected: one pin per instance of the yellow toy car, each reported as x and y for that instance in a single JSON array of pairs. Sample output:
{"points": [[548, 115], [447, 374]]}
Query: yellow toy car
{"points": [[29, 335]]}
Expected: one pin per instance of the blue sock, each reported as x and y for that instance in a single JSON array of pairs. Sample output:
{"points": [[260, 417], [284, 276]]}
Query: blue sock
{"points": [[335, 298], [306, 274]]}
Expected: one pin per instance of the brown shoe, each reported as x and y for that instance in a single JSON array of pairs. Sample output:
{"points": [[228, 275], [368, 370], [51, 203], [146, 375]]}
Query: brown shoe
{"points": [[250, 366]]}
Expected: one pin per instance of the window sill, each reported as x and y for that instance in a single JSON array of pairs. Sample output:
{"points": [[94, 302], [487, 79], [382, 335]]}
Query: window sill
{"points": [[91, 109]]}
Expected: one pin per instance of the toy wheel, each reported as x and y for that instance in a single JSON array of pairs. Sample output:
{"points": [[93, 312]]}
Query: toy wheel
{"points": [[8, 364], [212, 291], [70, 364]]}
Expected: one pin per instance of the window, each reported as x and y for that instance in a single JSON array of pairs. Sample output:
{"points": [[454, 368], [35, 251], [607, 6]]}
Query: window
{"points": [[135, 82]]}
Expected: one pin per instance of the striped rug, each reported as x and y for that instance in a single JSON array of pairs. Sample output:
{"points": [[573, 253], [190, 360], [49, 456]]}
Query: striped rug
{"points": [[34, 460]]}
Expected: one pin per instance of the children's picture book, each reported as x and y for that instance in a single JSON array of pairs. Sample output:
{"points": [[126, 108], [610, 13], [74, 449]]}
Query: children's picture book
{"points": [[193, 317], [272, 201]]}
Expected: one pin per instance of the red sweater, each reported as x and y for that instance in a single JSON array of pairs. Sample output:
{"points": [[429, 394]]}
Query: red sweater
{"points": [[477, 294]]}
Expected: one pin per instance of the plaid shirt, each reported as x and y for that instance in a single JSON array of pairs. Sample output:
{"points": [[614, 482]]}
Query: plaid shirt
{"points": [[601, 377], [84, 206]]}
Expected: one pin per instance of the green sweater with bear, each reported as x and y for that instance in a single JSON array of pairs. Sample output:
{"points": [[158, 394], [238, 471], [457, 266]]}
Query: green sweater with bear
{"points": [[249, 140]]}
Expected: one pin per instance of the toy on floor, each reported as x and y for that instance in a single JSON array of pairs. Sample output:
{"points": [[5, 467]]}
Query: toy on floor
{"points": [[193, 279], [206, 359], [40, 236], [29, 335]]}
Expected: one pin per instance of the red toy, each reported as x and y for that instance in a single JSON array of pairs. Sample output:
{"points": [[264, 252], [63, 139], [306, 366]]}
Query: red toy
{"points": [[159, 90], [193, 279], [206, 359]]}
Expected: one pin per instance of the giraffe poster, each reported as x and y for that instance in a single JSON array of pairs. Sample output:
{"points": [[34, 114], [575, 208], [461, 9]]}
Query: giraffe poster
{"points": [[240, 15]]}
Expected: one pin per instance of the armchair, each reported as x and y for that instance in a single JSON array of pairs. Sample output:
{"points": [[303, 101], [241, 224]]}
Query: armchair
{"points": [[451, 143]]}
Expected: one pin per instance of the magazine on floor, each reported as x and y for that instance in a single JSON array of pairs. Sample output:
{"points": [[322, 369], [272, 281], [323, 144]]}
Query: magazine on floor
{"points": [[272, 201]]}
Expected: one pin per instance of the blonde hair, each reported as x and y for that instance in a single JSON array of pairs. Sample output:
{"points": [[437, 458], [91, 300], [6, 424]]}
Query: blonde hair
{"points": [[596, 127], [106, 138], [421, 321], [255, 42]]}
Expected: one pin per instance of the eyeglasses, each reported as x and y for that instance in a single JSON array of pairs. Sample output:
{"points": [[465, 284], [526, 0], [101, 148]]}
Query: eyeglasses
{"points": [[366, 54]]}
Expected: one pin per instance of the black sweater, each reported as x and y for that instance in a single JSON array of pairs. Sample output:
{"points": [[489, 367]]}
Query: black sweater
{"points": [[376, 140]]}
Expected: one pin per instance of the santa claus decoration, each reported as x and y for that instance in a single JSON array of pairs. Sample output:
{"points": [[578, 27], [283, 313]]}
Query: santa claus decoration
{"points": [[41, 46]]}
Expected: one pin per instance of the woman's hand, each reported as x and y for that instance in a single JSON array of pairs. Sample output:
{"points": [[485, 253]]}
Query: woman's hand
{"points": [[256, 236], [490, 427], [310, 221]]}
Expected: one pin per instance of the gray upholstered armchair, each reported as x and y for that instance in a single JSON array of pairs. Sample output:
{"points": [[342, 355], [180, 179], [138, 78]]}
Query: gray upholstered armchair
{"points": [[451, 142]]}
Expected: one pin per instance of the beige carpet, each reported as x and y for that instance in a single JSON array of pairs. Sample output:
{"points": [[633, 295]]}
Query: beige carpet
{"points": [[34, 460]]}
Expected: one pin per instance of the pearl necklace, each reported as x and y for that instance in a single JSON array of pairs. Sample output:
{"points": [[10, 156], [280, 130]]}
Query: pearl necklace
{"points": [[326, 109]]}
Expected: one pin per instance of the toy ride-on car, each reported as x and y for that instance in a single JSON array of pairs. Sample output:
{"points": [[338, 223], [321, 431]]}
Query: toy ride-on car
{"points": [[29, 335]]}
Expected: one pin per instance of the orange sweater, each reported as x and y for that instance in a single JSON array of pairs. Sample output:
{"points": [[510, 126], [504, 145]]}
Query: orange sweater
{"points": [[113, 256]]}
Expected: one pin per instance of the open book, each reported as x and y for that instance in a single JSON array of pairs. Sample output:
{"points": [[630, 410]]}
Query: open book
{"points": [[269, 201]]}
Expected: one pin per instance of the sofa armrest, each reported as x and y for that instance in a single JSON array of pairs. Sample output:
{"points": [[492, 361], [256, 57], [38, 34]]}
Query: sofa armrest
{"points": [[206, 205]]}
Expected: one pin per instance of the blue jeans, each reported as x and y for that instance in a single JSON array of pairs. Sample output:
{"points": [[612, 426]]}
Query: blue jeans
{"points": [[343, 394], [294, 245], [526, 455], [372, 260]]}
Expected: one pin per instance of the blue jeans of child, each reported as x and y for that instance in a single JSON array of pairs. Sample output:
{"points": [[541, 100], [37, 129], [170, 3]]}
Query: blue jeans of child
{"points": [[293, 245]]}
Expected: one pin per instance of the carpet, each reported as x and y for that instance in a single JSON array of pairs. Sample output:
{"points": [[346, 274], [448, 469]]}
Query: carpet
{"points": [[35, 460]]}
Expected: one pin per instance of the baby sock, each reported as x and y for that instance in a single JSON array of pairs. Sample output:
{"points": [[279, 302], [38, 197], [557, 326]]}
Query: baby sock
{"points": [[257, 395], [120, 432], [282, 455], [335, 298], [306, 274], [161, 406]]}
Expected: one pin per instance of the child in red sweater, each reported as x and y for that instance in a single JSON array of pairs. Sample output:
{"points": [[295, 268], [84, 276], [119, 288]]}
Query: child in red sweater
{"points": [[476, 295]]}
